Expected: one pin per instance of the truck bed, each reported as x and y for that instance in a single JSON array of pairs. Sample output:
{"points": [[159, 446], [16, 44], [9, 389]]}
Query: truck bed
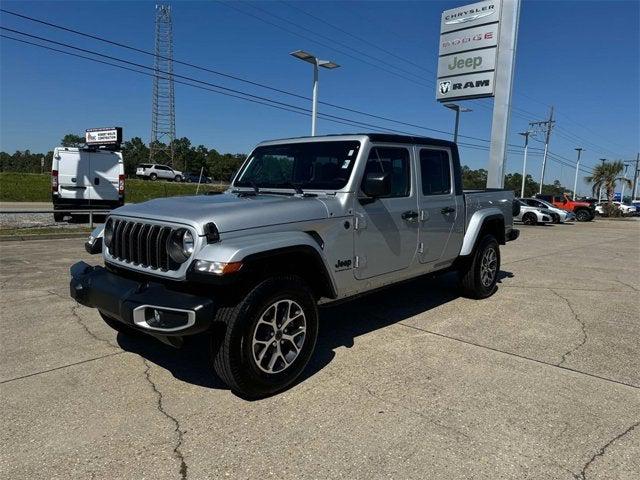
{"points": [[499, 198]]}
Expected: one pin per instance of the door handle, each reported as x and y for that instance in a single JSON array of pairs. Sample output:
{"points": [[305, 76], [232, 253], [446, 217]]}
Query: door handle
{"points": [[409, 215], [447, 210]]}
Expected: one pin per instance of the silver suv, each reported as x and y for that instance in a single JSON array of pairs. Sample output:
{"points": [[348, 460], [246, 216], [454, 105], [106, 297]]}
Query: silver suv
{"points": [[306, 221], [154, 171]]}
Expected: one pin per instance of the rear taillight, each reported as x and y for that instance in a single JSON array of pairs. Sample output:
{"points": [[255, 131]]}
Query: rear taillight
{"points": [[121, 184], [54, 181]]}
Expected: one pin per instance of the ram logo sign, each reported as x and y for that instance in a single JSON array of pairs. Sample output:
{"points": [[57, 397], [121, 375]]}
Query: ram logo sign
{"points": [[469, 37]]}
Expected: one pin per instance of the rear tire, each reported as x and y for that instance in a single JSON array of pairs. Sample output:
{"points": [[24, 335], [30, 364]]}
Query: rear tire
{"points": [[479, 275], [153, 177], [529, 218], [282, 309], [583, 215]]}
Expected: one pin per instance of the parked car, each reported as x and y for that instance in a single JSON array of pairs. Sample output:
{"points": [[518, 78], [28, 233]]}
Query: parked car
{"points": [[584, 211], [86, 178], [557, 214], [532, 215], [624, 208], [341, 216], [154, 171], [194, 177]]}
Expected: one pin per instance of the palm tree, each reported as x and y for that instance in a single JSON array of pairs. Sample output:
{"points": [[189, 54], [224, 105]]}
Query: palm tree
{"points": [[605, 176]]}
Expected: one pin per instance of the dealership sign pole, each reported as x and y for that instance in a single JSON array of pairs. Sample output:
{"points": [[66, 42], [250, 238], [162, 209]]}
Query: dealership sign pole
{"points": [[476, 60]]}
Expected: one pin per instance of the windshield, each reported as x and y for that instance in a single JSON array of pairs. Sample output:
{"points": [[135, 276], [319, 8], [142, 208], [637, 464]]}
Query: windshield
{"points": [[312, 165]]}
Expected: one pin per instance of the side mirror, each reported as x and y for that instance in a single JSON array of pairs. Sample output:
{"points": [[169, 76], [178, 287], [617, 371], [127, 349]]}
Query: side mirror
{"points": [[377, 185]]}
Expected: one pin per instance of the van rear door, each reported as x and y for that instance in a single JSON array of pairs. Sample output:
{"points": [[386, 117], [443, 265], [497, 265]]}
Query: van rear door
{"points": [[106, 168], [73, 174]]}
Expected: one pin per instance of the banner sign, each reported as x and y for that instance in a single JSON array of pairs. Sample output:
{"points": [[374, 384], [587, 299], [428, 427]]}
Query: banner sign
{"points": [[469, 38], [103, 136]]}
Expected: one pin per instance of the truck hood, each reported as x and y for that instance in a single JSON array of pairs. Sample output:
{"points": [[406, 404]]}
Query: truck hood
{"points": [[228, 211]]}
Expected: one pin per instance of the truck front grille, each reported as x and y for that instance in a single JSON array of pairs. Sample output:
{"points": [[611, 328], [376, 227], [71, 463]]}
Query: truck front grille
{"points": [[142, 244]]}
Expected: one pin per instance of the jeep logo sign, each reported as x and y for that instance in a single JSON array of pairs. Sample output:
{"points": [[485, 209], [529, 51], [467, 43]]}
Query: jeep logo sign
{"points": [[468, 51]]}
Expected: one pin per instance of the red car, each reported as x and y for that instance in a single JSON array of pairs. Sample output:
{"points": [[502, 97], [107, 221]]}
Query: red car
{"points": [[584, 211]]}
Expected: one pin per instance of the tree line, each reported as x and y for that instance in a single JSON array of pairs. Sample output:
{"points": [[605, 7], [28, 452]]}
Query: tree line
{"points": [[222, 166]]}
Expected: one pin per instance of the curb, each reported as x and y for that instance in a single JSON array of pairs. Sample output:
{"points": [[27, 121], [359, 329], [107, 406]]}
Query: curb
{"points": [[49, 236]]}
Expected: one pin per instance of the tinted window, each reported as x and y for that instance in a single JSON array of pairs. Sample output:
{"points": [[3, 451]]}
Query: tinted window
{"points": [[395, 161], [313, 165], [435, 172], [162, 167]]}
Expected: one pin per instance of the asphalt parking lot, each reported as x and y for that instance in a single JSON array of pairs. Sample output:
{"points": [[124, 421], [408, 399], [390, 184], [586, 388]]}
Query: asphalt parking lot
{"points": [[540, 381]]}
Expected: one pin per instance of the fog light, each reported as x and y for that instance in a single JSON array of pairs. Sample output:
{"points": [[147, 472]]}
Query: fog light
{"points": [[217, 268], [165, 319]]}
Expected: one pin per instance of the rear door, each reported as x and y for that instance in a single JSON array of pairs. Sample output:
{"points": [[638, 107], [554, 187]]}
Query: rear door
{"points": [[105, 170], [387, 235], [441, 210], [73, 174]]}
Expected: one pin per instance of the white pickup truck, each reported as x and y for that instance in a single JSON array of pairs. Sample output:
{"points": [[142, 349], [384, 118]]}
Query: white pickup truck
{"points": [[305, 221]]}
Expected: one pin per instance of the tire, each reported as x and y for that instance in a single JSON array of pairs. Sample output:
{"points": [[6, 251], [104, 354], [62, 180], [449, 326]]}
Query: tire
{"points": [[153, 177], [556, 218], [58, 217], [177, 178], [237, 354], [119, 326], [473, 279], [529, 218], [583, 215]]}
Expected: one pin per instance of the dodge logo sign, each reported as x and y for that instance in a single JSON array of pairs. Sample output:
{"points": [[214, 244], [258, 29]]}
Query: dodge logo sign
{"points": [[445, 87]]}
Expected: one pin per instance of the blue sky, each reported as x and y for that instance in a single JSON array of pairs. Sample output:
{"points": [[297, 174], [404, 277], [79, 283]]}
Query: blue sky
{"points": [[581, 57]]}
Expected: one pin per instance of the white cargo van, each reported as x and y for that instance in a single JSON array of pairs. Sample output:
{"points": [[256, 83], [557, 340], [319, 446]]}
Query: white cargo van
{"points": [[86, 178]]}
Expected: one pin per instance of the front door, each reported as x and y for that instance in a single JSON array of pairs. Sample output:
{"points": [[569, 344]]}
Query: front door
{"points": [[441, 211], [386, 237]]}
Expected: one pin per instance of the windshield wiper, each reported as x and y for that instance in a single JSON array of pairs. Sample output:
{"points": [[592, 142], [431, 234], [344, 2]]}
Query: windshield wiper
{"points": [[295, 186], [253, 185]]}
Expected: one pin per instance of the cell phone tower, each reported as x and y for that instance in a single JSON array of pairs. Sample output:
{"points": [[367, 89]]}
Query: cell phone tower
{"points": [[163, 114]]}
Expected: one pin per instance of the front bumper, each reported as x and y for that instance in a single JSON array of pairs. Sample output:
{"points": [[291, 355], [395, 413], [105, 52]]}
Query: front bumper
{"points": [[146, 306]]}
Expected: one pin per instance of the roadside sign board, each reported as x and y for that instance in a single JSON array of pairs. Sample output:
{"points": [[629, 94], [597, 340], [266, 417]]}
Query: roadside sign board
{"points": [[103, 136], [469, 38]]}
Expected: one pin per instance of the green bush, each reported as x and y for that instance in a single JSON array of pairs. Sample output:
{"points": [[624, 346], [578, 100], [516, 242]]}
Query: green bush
{"points": [[33, 187]]}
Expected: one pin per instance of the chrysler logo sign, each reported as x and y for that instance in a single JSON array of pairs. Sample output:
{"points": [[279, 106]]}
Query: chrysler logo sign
{"points": [[469, 15]]}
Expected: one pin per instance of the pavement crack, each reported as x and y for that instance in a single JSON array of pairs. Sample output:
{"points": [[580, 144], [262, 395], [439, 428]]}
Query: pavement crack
{"points": [[602, 450], [80, 321], [160, 407], [627, 285], [582, 327]]}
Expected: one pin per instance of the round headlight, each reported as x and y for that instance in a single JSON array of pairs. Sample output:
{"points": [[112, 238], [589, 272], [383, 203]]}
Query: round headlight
{"points": [[181, 245], [188, 243], [108, 232]]}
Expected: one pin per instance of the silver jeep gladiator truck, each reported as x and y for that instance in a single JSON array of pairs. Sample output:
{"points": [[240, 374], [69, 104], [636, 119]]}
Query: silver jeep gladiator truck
{"points": [[305, 221]]}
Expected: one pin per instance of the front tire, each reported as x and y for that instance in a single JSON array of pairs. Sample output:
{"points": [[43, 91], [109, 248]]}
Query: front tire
{"points": [[177, 178], [479, 275], [268, 337]]}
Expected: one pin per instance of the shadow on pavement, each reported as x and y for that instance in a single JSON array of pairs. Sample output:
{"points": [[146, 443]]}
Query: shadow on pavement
{"points": [[340, 325]]}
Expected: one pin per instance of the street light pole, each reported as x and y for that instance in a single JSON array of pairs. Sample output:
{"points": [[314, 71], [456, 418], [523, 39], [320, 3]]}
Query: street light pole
{"points": [[457, 108], [524, 162], [575, 180], [316, 62]]}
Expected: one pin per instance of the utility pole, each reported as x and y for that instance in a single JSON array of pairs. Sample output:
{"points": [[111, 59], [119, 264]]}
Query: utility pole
{"points": [[524, 162], [544, 126], [575, 180], [626, 165], [163, 113], [457, 108], [634, 194]]}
